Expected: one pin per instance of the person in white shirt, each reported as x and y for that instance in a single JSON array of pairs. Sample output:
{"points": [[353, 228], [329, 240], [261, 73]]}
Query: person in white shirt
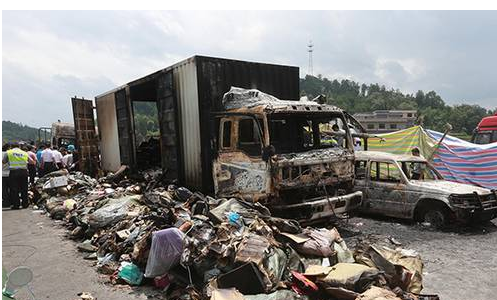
{"points": [[66, 158], [57, 156], [47, 161]]}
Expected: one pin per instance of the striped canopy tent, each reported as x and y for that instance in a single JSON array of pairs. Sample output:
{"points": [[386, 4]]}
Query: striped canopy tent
{"points": [[456, 159]]}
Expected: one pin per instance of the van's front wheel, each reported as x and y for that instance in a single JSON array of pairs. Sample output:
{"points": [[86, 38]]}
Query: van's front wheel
{"points": [[437, 217], [436, 213]]}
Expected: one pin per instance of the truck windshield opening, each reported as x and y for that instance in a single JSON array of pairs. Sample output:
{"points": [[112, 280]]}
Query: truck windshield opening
{"points": [[301, 132]]}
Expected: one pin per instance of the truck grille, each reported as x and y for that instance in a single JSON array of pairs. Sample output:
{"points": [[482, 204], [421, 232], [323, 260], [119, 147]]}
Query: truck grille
{"points": [[488, 201], [289, 173]]}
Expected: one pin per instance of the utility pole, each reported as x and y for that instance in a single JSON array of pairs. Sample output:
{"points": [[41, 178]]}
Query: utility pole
{"points": [[310, 49]]}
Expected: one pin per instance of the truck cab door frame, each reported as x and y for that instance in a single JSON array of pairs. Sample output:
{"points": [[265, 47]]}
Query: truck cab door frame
{"points": [[362, 134], [235, 171]]}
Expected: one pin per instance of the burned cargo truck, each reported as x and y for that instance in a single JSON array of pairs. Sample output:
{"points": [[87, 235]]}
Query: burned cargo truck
{"points": [[294, 156]]}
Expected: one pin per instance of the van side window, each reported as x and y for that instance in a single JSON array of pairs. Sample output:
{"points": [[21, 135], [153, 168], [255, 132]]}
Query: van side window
{"points": [[226, 134], [388, 172], [373, 174], [249, 140], [360, 169]]}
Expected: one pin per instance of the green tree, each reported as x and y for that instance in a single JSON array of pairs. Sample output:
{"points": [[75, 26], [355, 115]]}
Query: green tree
{"points": [[14, 132], [432, 111]]}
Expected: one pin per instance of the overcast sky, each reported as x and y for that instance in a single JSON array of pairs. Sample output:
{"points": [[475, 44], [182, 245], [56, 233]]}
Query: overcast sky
{"points": [[48, 57]]}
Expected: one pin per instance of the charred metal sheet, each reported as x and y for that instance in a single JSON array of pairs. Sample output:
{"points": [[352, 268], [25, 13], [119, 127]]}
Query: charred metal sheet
{"points": [[186, 94], [168, 124], [250, 181], [315, 157], [237, 98], [318, 167], [320, 208], [86, 140], [108, 133], [124, 128]]}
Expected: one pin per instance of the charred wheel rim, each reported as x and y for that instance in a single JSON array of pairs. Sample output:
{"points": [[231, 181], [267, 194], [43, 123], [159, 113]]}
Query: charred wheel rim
{"points": [[435, 217]]}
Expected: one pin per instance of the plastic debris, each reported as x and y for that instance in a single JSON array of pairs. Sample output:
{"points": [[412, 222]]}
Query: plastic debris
{"points": [[165, 251], [130, 273]]}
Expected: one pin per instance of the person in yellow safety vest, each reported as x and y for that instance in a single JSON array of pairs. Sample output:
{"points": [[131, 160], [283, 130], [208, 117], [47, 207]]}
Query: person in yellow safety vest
{"points": [[18, 176], [328, 140]]}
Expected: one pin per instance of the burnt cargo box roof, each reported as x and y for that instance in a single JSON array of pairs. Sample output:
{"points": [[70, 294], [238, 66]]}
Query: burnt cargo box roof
{"points": [[281, 81]]}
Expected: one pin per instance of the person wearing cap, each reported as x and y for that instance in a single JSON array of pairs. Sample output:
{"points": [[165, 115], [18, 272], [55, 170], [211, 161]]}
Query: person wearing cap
{"points": [[18, 175]]}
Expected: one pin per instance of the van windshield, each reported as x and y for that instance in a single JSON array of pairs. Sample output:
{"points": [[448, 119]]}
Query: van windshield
{"points": [[301, 132]]}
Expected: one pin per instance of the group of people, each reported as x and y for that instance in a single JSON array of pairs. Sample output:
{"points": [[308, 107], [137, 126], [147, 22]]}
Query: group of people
{"points": [[21, 163]]}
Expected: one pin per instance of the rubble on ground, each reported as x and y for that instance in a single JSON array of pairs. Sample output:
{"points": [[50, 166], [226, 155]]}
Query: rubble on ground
{"points": [[141, 231]]}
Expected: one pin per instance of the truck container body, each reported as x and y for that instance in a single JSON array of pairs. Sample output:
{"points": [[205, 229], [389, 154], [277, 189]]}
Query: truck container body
{"points": [[186, 94]]}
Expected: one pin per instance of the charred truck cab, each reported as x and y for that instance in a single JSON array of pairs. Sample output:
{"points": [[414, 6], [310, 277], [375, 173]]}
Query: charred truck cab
{"points": [[294, 156]]}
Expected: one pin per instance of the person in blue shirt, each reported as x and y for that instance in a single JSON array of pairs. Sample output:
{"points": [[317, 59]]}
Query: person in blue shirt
{"points": [[38, 157]]}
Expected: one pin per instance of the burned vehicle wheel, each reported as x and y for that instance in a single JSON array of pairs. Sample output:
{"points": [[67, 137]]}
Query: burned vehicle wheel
{"points": [[437, 215]]}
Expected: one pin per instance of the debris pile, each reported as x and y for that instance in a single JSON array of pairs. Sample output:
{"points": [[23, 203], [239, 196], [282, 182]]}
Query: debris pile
{"points": [[143, 232]]}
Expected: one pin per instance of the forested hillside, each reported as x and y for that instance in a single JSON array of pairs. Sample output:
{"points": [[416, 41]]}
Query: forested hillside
{"points": [[146, 120], [352, 96], [433, 112], [18, 132]]}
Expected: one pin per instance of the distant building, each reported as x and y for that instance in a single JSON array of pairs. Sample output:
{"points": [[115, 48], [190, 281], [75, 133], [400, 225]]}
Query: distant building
{"points": [[382, 121]]}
